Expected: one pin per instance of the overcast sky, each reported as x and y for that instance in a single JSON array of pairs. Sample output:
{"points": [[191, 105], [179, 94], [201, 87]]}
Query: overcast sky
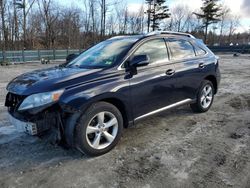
{"points": [[239, 7]]}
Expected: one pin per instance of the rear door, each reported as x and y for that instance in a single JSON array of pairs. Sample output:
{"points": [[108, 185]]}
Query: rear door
{"points": [[188, 70], [153, 87]]}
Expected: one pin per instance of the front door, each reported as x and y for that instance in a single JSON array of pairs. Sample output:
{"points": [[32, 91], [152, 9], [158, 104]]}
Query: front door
{"points": [[153, 87]]}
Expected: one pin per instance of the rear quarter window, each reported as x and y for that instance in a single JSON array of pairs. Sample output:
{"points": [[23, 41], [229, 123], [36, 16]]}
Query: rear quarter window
{"points": [[199, 51]]}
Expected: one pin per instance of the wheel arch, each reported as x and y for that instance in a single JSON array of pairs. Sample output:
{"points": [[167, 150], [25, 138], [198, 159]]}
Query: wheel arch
{"points": [[121, 107], [213, 79], [74, 117]]}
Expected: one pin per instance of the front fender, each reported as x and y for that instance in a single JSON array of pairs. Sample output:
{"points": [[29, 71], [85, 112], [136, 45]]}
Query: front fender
{"points": [[82, 103], [76, 100]]}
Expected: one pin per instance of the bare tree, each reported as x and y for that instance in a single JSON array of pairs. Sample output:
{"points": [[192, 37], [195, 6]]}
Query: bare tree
{"points": [[103, 16], [125, 20], [4, 31], [149, 13], [26, 7], [86, 16], [50, 15], [140, 20], [180, 16], [70, 27], [16, 25], [234, 21], [121, 16], [92, 5], [35, 30], [223, 23], [45, 24]]}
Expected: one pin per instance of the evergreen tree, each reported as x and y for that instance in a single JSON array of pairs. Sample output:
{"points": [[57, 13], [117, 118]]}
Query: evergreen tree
{"points": [[210, 14], [157, 11]]}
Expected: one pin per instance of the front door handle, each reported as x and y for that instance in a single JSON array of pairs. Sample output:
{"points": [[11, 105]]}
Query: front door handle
{"points": [[201, 65], [170, 72]]}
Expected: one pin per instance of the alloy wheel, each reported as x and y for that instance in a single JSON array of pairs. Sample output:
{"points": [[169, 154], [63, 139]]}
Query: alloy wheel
{"points": [[102, 130], [206, 96]]}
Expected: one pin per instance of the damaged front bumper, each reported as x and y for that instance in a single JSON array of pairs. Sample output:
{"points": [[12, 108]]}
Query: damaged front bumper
{"points": [[33, 121], [22, 126], [34, 124], [56, 120]]}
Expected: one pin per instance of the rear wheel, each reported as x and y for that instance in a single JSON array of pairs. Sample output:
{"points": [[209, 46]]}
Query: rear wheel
{"points": [[99, 129], [205, 97]]}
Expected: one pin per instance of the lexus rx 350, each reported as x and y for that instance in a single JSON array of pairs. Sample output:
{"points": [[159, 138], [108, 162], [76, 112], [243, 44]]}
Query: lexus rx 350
{"points": [[112, 85]]}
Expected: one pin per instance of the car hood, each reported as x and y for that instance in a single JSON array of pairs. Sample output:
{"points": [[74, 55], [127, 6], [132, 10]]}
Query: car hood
{"points": [[50, 79]]}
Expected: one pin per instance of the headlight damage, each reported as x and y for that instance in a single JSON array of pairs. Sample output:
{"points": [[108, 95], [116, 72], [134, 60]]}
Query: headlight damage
{"points": [[40, 99]]}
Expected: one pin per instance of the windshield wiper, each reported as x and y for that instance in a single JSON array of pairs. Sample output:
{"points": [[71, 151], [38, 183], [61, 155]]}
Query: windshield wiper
{"points": [[72, 66], [62, 65]]}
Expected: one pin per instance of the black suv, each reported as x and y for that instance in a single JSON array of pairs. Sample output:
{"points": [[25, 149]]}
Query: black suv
{"points": [[90, 99]]}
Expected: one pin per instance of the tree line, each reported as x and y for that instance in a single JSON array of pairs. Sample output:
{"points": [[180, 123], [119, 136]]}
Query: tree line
{"points": [[46, 24]]}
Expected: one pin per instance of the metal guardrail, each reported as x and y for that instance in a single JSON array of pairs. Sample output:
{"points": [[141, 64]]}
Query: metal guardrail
{"points": [[244, 49], [36, 55]]}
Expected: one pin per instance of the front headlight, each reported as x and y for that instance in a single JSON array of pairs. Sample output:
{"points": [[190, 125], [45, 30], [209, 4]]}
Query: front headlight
{"points": [[40, 99]]}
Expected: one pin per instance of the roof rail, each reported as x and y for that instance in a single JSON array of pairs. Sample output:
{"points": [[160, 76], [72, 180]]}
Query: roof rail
{"points": [[170, 32], [117, 37]]}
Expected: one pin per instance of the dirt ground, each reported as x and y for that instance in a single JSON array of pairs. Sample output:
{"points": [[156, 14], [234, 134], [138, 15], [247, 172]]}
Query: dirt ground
{"points": [[173, 149]]}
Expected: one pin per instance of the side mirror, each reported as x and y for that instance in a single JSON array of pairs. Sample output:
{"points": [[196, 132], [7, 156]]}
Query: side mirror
{"points": [[70, 57], [139, 61]]}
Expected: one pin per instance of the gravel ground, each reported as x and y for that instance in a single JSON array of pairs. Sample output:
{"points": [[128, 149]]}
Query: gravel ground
{"points": [[173, 149]]}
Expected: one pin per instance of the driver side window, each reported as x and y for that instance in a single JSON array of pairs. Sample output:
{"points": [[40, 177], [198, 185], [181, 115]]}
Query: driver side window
{"points": [[155, 49]]}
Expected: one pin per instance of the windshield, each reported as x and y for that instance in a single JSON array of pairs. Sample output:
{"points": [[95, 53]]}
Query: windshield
{"points": [[103, 55]]}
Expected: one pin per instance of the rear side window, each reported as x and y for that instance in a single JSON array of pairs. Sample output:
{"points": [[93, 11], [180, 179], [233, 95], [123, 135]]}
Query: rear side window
{"points": [[155, 49], [180, 49]]}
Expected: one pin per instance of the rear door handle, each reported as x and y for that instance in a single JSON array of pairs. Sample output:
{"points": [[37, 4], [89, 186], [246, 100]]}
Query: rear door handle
{"points": [[201, 65], [170, 72]]}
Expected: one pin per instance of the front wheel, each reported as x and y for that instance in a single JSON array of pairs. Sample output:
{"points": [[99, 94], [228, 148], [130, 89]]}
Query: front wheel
{"points": [[205, 97], [99, 129]]}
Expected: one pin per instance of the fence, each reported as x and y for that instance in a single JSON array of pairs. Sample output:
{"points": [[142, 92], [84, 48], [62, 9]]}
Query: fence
{"points": [[234, 49], [36, 55]]}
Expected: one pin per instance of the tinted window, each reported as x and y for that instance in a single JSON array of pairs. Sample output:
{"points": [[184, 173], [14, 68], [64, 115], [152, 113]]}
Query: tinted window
{"points": [[180, 49], [155, 49], [199, 51]]}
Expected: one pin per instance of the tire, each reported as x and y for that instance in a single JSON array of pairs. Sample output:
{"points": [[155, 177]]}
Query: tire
{"points": [[205, 97], [99, 129]]}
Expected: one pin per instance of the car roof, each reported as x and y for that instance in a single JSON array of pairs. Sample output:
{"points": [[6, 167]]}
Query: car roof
{"points": [[154, 34]]}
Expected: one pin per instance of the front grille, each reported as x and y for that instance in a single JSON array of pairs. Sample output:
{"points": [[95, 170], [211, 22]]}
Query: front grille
{"points": [[13, 101]]}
